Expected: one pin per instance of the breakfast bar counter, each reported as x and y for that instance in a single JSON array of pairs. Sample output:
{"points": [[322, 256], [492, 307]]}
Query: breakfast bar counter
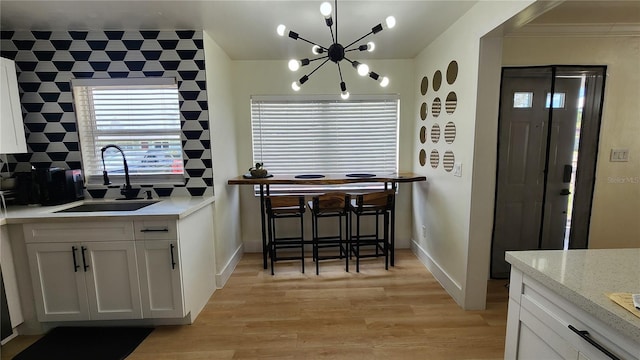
{"points": [[389, 180]]}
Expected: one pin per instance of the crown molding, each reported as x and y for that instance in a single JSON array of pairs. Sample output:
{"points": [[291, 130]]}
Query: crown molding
{"points": [[576, 30]]}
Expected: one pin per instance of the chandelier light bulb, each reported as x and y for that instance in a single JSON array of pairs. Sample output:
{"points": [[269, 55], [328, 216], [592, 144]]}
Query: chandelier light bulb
{"points": [[316, 50], [371, 46], [363, 69], [384, 81], [325, 9], [294, 65], [295, 86], [281, 29], [391, 22], [344, 95]]}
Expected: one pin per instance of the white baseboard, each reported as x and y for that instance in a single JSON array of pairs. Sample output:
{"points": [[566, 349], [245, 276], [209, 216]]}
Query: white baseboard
{"points": [[448, 283], [223, 276]]}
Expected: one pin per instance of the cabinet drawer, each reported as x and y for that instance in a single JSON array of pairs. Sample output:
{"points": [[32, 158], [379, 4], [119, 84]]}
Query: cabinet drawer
{"points": [[78, 231], [557, 314], [155, 229]]}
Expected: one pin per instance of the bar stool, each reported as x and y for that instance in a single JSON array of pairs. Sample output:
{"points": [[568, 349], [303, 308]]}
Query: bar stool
{"points": [[282, 207], [330, 205], [376, 204]]}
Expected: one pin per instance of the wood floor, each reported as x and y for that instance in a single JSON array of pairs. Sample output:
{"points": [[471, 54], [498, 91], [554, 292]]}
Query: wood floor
{"points": [[402, 313]]}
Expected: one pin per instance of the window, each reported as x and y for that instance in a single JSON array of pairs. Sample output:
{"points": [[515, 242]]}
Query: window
{"points": [[558, 100], [325, 135], [142, 117], [522, 100]]}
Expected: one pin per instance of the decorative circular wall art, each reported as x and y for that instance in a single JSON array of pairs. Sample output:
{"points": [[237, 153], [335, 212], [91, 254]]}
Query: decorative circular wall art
{"points": [[450, 132], [452, 72], [448, 160], [423, 111], [423, 134], [436, 107], [451, 102], [437, 80], [434, 158], [435, 133], [423, 157], [424, 86]]}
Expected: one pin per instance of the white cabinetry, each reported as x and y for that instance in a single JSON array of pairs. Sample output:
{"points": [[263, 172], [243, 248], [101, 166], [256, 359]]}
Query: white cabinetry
{"points": [[159, 266], [12, 138], [138, 267], [94, 279], [543, 325], [9, 278]]}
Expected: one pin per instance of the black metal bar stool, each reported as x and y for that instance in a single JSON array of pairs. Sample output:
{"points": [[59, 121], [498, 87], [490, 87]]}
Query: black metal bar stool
{"points": [[330, 205], [376, 204], [281, 207]]}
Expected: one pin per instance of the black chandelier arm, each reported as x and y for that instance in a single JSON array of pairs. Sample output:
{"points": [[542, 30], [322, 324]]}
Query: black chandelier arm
{"points": [[348, 46], [317, 67], [295, 36], [340, 72], [358, 48]]}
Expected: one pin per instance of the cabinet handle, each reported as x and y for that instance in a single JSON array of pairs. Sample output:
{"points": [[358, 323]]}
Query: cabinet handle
{"points": [[155, 230], [585, 335], [75, 262], [173, 261], [84, 260]]}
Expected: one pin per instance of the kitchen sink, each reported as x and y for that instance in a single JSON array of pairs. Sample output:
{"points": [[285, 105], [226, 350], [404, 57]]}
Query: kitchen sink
{"points": [[110, 206]]}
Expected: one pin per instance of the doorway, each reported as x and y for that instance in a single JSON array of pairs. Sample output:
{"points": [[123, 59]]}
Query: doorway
{"points": [[548, 132]]}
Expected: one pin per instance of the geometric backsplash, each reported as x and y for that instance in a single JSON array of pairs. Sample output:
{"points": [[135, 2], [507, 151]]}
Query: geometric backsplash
{"points": [[46, 62]]}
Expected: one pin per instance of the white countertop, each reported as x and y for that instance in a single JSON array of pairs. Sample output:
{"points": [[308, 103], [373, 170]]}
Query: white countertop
{"points": [[584, 276], [178, 207]]}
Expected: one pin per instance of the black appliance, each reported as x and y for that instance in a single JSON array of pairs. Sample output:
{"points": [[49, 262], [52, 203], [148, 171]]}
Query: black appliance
{"points": [[49, 186]]}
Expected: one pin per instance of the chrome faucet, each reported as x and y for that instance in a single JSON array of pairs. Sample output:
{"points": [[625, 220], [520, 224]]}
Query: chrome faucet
{"points": [[126, 190]]}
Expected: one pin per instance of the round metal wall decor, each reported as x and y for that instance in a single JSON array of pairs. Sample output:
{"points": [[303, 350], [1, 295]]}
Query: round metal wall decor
{"points": [[424, 86], [448, 160], [423, 157], [450, 133], [437, 80], [451, 102], [436, 107], [423, 134], [434, 158], [435, 133], [452, 72], [423, 111]]}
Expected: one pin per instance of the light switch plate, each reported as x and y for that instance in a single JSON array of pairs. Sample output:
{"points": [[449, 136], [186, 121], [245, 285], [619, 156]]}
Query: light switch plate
{"points": [[457, 169], [619, 155]]}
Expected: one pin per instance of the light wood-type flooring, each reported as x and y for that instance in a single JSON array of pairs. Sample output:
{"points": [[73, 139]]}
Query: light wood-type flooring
{"points": [[402, 313]]}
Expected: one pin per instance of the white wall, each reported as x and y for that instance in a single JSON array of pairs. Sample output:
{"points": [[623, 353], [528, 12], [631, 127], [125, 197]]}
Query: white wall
{"points": [[274, 78], [457, 211], [616, 198], [222, 124]]}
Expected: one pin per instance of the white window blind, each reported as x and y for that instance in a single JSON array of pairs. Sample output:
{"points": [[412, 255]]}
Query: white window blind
{"points": [[294, 136], [141, 117]]}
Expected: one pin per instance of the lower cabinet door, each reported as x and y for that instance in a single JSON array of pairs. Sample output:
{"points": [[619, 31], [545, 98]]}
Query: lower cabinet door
{"points": [[112, 280], [58, 281], [538, 341], [160, 279]]}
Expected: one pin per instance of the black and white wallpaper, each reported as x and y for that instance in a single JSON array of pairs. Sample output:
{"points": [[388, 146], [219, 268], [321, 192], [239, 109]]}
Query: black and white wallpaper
{"points": [[46, 61]]}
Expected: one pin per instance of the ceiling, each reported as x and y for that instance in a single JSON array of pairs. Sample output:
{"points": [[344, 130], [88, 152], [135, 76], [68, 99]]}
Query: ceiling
{"points": [[246, 29]]}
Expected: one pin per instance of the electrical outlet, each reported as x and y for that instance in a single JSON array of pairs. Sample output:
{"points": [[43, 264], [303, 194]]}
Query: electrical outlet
{"points": [[619, 155], [457, 169], [424, 232]]}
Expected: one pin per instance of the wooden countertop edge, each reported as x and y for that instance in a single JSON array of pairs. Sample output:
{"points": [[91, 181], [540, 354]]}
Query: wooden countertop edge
{"points": [[329, 179]]}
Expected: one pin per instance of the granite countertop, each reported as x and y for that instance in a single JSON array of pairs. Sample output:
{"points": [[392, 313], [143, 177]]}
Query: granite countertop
{"points": [[177, 207], [584, 277]]}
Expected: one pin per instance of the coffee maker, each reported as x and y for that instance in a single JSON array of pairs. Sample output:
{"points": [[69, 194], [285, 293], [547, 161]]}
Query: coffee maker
{"points": [[49, 186]]}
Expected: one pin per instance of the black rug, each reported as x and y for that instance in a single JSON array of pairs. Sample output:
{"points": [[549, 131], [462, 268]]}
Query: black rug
{"points": [[95, 343]]}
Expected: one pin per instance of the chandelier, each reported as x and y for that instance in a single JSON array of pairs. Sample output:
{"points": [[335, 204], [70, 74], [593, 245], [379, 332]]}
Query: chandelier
{"points": [[336, 52]]}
